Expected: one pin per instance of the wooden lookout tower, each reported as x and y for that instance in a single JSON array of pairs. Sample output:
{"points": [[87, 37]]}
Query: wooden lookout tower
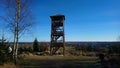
{"points": [[57, 34]]}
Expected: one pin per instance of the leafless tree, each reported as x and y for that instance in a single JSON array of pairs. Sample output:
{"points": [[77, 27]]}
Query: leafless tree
{"points": [[19, 19]]}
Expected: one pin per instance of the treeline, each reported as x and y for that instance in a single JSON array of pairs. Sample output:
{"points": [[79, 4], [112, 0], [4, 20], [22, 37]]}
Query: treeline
{"points": [[37, 48], [42, 48], [73, 49], [6, 50], [77, 49]]}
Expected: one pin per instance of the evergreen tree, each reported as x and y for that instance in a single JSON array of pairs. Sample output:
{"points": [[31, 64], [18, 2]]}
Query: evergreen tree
{"points": [[4, 53], [35, 45]]}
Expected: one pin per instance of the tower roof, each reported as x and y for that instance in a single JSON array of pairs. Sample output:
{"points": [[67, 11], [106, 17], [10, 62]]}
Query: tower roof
{"points": [[57, 16]]}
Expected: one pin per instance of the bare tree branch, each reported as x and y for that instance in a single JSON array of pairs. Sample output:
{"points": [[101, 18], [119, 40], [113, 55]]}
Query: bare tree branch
{"points": [[18, 18]]}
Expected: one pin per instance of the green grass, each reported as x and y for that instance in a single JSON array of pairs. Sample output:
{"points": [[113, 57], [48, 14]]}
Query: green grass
{"points": [[58, 62]]}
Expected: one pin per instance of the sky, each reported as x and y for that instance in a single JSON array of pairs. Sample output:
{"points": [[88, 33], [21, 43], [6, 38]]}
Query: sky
{"points": [[85, 20]]}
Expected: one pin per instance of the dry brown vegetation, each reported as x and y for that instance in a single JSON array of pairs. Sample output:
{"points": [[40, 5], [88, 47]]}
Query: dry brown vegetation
{"points": [[8, 65], [58, 62]]}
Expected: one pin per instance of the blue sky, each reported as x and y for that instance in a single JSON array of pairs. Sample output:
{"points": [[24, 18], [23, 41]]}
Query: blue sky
{"points": [[86, 20]]}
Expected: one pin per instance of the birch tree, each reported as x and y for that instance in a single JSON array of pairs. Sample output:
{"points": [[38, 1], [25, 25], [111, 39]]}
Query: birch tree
{"points": [[19, 19]]}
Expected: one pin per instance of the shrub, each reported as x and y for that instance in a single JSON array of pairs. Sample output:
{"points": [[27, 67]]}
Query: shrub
{"points": [[43, 47], [24, 49]]}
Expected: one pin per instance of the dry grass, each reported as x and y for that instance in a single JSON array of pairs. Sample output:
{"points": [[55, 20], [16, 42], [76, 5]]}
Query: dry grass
{"points": [[58, 62], [8, 65], [61, 58]]}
